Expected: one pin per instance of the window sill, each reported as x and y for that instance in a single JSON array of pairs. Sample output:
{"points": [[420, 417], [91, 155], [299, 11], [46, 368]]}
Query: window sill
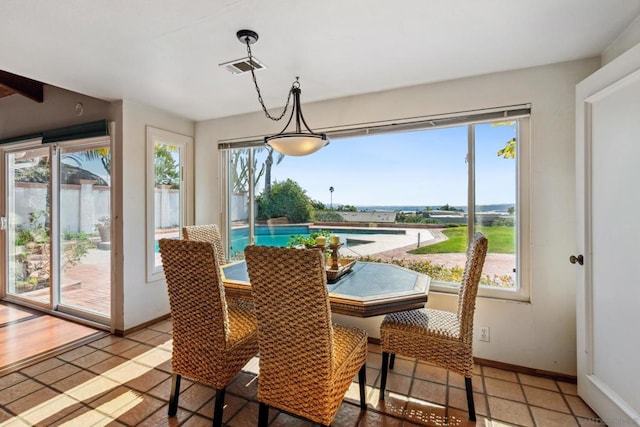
{"points": [[516, 295]]}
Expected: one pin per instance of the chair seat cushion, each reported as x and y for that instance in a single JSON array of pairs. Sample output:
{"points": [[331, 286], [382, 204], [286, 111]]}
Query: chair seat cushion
{"points": [[349, 343], [424, 321]]}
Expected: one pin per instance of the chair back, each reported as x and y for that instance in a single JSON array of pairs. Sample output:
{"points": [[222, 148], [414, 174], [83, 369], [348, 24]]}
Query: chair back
{"points": [[206, 233], [295, 334], [469, 286], [196, 296]]}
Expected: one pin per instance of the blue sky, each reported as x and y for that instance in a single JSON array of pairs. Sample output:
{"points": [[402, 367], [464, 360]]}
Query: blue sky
{"points": [[411, 168]]}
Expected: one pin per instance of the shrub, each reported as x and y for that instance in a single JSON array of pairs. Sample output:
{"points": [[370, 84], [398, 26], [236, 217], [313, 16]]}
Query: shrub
{"points": [[307, 242], [327, 216], [505, 222], [286, 199], [446, 274]]}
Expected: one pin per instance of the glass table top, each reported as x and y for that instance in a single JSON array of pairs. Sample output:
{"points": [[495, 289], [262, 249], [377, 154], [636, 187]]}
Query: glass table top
{"points": [[365, 282]]}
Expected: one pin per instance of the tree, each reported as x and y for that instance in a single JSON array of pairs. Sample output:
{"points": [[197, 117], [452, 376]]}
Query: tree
{"points": [[103, 154], [509, 150], [267, 166], [450, 208], [240, 170], [286, 199], [347, 208], [166, 169], [331, 191], [318, 205]]}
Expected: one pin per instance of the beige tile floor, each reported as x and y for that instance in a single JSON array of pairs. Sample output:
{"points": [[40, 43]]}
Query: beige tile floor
{"points": [[118, 381]]}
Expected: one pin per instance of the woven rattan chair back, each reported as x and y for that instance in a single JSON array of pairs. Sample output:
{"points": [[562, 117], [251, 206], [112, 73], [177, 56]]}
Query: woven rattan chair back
{"points": [[435, 336], [306, 363], [469, 286], [294, 317], [206, 233], [211, 340], [196, 296]]}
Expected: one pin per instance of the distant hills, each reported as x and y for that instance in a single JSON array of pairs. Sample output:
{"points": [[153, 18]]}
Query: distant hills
{"points": [[414, 208]]}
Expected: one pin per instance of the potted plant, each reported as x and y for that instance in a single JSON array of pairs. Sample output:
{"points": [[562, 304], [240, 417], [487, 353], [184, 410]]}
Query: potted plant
{"points": [[104, 228]]}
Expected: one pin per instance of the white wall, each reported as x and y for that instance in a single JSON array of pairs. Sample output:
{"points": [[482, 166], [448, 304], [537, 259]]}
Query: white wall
{"points": [[21, 116], [625, 41], [140, 301], [539, 334]]}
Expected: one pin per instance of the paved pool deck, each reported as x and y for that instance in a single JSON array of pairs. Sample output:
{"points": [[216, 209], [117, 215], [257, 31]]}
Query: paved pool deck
{"points": [[372, 243]]}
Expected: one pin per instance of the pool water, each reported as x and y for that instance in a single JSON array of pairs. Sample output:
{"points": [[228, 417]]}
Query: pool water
{"points": [[281, 235]]}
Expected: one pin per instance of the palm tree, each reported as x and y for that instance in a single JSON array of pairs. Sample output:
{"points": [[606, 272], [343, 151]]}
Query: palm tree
{"points": [[331, 199], [267, 174]]}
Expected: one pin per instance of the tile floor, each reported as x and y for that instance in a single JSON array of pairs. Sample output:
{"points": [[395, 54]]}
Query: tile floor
{"points": [[125, 381]]}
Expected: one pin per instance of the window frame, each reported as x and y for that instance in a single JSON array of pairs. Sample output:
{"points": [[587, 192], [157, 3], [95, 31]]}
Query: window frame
{"points": [[522, 115], [185, 146]]}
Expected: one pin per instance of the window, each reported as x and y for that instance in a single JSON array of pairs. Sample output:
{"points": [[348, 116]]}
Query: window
{"points": [[412, 197], [167, 161]]}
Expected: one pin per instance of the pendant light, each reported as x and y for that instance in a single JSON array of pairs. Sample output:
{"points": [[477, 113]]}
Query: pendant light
{"points": [[300, 141]]}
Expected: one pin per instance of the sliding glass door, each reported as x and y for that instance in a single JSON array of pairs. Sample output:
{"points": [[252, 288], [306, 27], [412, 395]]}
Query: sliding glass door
{"points": [[57, 227], [28, 225], [84, 232]]}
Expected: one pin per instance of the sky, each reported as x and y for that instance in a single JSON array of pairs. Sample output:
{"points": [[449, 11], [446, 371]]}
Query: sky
{"points": [[422, 168]]}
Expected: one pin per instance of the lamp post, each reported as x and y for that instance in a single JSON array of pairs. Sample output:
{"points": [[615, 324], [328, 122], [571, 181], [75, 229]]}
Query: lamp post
{"points": [[331, 199]]}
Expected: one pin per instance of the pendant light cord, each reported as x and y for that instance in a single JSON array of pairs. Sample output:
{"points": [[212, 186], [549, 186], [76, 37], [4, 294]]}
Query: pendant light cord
{"points": [[255, 82]]}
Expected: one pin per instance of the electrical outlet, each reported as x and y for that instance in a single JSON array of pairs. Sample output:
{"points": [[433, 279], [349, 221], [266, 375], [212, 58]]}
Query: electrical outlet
{"points": [[484, 333]]}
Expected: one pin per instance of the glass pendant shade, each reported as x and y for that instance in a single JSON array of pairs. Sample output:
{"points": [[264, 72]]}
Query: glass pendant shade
{"points": [[296, 144]]}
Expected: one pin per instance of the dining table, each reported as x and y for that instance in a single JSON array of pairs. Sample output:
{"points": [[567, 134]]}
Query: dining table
{"points": [[364, 289]]}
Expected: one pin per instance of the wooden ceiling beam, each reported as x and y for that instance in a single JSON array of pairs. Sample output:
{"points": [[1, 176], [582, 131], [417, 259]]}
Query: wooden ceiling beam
{"points": [[32, 89]]}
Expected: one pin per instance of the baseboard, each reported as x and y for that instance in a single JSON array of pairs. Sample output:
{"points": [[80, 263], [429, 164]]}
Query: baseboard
{"points": [[125, 332], [529, 371], [515, 368]]}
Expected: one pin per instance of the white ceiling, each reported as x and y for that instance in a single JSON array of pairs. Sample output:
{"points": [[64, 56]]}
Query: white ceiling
{"points": [[165, 53]]}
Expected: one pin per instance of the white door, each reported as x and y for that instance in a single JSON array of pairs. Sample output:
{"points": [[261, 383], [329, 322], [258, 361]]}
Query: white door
{"points": [[608, 207]]}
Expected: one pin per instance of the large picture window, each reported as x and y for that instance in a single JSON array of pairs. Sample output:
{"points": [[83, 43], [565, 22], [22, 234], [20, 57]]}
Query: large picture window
{"points": [[413, 197]]}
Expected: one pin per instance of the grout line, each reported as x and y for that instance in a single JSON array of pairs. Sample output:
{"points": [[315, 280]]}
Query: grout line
{"points": [[526, 400], [486, 393], [566, 401]]}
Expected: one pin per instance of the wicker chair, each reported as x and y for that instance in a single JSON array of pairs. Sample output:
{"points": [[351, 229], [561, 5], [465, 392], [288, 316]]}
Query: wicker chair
{"points": [[206, 233], [211, 341], [439, 337], [306, 363]]}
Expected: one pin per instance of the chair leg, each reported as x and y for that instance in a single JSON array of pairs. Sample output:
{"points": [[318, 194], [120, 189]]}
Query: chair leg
{"points": [[383, 379], [175, 394], [393, 361], [263, 415], [219, 407], [470, 404], [362, 381]]}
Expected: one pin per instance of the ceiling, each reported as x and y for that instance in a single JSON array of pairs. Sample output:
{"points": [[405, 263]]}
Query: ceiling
{"points": [[166, 53]]}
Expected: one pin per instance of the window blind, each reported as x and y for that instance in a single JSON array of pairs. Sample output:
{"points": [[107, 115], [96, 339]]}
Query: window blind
{"points": [[403, 125], [69, 133]]}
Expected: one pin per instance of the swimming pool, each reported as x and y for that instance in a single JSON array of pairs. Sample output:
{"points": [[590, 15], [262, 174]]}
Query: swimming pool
{"points": [[280, 235]]}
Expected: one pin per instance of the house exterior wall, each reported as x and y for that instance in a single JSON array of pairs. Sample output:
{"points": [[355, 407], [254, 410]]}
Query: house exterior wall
{"points": [[538, 334]]}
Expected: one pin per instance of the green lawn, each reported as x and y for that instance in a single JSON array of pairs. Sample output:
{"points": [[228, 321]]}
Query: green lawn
{"points": [[501, 240]]}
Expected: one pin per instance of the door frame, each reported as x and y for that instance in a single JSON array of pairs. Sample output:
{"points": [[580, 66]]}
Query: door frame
{"points": [[54, 307]]}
